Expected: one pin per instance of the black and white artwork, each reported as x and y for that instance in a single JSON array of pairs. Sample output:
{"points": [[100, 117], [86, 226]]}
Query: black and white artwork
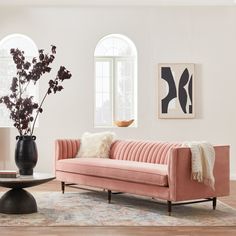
{"points": [[176, 90]]}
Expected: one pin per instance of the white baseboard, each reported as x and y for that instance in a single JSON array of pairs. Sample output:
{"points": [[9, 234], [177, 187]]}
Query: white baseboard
{"points": [[233, 176]]}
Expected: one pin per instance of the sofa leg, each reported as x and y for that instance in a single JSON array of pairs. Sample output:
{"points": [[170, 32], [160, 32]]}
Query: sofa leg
{"points": [[109, 196], [169, 205], [63, 187], [214, 202]]}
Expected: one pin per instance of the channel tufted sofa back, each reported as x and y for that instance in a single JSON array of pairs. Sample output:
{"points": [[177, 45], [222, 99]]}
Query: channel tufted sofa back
{"points": [[142, 151], [66, 148]]}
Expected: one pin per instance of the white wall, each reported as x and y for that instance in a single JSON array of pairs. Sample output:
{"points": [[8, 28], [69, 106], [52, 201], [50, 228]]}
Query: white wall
{"points": [[202, 35]]}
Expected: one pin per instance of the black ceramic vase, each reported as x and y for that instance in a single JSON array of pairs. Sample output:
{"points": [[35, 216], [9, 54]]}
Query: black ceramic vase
{"points": [[26, 154]]}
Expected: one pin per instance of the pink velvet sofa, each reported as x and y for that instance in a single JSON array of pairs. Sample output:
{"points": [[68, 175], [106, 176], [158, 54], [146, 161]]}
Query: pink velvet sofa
{"points": [[153, 169]]}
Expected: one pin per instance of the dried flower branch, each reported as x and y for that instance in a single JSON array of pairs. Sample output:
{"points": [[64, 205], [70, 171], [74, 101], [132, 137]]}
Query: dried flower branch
{"points": [[21, 106]]}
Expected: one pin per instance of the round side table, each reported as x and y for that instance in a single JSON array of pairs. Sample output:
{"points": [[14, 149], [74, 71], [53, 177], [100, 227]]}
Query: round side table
{"points": [[17, 200]]}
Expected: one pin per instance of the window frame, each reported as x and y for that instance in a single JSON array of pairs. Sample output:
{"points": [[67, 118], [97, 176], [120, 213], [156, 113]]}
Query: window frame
{"points": [[9, 123], [114, 79]]}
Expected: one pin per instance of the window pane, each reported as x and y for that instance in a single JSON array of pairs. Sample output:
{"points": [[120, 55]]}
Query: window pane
{"points": [[114, 46], [103, 114], [124, 94]]}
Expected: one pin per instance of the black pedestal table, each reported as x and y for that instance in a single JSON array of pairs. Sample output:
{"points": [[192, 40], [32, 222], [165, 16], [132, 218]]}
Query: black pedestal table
{"points": [[18, 200]]}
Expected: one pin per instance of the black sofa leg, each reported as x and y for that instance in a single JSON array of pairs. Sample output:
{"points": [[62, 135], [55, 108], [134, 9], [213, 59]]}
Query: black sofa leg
{"points": [[63, 187], [214, 202], [109, 196], [169, 205]]}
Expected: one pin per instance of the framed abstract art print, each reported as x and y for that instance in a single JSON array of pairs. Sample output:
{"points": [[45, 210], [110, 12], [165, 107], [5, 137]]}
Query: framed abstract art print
{"points": [[176, 90]]}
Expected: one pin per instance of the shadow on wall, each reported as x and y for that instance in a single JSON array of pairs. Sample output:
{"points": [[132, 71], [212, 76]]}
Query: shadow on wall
{"points": [[4, 146]]}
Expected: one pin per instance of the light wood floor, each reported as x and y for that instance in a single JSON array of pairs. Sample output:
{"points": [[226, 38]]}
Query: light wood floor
{"points": [[119, 231]]}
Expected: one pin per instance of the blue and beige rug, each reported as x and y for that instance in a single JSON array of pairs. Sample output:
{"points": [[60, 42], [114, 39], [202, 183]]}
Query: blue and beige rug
{"points": [[92, 209]]}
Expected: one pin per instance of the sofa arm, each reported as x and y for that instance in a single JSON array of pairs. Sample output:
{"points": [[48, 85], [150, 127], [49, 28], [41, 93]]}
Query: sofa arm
{"points": [[66, 148], [182, 187]]}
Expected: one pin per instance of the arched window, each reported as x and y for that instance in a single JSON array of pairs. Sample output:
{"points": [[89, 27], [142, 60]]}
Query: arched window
{"points": [[115, 80], [8, 69]]}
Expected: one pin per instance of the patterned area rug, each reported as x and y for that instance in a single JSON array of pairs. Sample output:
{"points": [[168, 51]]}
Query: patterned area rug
{"points": [[92, 209]]}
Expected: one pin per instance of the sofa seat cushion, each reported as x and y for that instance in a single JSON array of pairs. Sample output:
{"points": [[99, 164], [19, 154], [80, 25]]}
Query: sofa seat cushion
{"points": [[139, 172]]}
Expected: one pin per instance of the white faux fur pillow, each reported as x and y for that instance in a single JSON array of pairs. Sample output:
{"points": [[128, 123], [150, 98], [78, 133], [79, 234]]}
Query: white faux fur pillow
{"points": [[96, 144]]}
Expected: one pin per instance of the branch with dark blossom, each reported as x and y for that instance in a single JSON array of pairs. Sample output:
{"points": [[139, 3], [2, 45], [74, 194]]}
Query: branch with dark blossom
{"points": [[21, 106], [55, 86]]}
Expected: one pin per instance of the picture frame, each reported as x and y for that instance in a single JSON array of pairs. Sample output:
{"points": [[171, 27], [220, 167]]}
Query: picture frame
{"points": [[176, 91]]}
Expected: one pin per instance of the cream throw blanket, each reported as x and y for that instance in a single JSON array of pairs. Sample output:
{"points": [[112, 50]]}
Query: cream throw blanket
{"points": [[203, 159]]}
